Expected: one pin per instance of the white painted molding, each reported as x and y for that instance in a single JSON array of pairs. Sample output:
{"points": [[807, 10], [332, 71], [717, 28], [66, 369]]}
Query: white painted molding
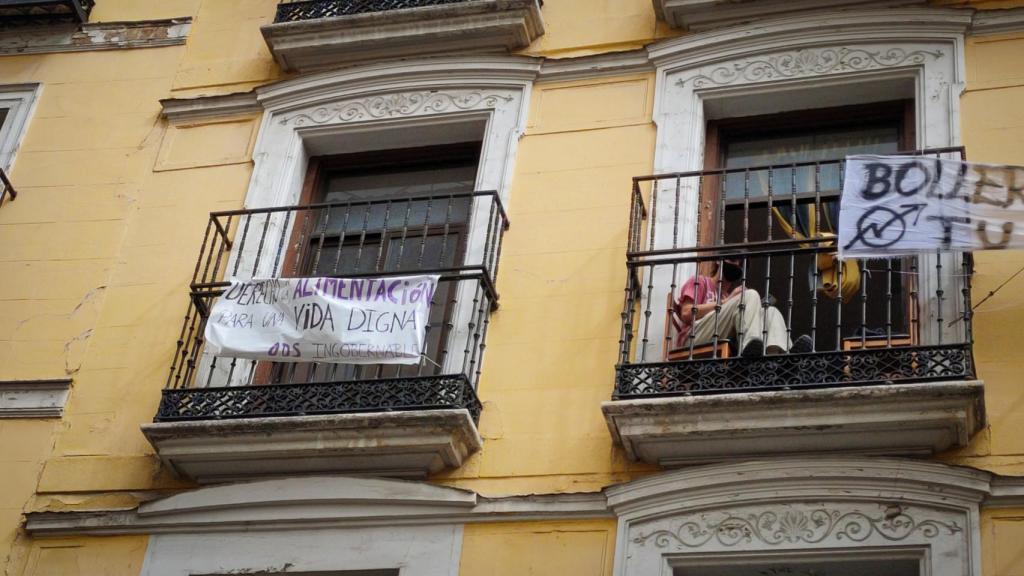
{"points": [[20, 101], [96, 36], [1005, 21], [316, 503], [596, 66], [34, 398], [819, 28], [801, 505], [186, 110]]}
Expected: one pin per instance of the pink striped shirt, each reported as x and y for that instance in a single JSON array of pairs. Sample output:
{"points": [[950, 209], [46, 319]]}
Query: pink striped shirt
{"points": [[699, 289]]}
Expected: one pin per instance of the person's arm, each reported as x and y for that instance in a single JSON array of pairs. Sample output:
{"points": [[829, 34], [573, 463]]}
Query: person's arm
{"points": [[686, 309]]}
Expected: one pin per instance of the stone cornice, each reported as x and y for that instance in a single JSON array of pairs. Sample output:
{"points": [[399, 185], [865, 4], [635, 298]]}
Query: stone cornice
{"points": [[184, 110], [596, 66], [997, 21], [822, 28], [33, 398], [400, 76], [390, 503], [812, 477], [342, 502]]}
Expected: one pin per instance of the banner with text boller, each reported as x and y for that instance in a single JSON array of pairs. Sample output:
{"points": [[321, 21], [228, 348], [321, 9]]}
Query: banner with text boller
{"points": [[334, 320], [901, 205]]}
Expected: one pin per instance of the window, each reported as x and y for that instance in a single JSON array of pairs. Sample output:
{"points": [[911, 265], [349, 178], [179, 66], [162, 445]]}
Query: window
{"points": [[387, 212], [799, 199], [16, 103]]}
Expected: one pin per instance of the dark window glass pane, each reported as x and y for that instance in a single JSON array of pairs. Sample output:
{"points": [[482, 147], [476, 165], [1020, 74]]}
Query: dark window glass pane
{"points": [[806, 147]]}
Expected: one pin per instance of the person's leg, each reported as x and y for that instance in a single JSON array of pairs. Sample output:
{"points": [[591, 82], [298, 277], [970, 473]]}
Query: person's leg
{"points": [[751, 318], [738, 318], [777, 341], [723, 323]]}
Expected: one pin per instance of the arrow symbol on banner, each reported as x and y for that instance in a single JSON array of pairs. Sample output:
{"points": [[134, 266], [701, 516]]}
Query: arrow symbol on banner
{"points": [[874, 223]]}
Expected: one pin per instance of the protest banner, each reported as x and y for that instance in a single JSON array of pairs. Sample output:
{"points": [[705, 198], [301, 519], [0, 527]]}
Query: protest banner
{"points": [[901, 205], [335, 320]]}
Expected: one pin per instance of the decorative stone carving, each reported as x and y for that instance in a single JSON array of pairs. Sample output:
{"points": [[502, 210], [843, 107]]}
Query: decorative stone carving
{"points": [[809, 62], [794, 526], [400, 104]]}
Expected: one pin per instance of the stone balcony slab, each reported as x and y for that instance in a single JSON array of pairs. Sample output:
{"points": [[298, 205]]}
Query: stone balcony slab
{"points": [[889, 419], [473, 26], [396, 444]]}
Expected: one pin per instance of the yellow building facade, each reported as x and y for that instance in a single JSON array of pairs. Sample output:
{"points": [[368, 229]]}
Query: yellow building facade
{"points": [[158, 149]]}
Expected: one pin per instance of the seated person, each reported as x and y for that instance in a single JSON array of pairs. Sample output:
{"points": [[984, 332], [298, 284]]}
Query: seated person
{"points": [[741, 317]]}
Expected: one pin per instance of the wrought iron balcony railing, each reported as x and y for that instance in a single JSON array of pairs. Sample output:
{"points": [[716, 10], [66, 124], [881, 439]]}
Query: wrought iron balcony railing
{"points": [[312, 9], [44, 12], [819, 322], [6, 188], [455, 236]]}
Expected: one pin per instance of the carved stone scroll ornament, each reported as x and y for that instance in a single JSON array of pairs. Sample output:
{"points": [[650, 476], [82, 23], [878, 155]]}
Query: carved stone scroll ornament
{"points": [[809, 62], [790, 526], [399, 104]]}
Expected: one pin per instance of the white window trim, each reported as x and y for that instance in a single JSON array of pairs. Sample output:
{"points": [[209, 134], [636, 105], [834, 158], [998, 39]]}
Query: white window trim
{"points": [[379, 106], [847, 508], [20, 101], [308, 524], [776, 59]]}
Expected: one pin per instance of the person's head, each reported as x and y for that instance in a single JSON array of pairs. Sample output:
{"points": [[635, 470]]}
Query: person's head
{"points": [[732, 270]]}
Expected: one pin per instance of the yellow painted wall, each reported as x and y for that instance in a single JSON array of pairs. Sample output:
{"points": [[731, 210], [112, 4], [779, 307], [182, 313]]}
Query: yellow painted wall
{"points": [[107, 556], [584, 548], [24, 446], [562, 273], [101, 243], [1002, 542], [992, 124]]}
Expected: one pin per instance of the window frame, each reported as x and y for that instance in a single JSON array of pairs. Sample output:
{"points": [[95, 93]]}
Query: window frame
{"points": [[19, 100]]}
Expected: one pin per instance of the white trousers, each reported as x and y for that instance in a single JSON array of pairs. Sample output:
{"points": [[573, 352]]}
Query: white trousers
{"points": [[753, 321]]}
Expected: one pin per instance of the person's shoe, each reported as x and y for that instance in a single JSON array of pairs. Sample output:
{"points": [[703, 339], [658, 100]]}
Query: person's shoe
{"points": [[802, 345], [753, 349]]}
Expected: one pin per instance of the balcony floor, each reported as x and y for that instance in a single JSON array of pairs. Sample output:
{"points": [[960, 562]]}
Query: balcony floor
{"points": [[891, 419]]}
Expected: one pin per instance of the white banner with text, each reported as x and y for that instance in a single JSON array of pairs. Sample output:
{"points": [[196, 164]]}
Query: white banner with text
{"points": [[900, 205], [336, 320]]}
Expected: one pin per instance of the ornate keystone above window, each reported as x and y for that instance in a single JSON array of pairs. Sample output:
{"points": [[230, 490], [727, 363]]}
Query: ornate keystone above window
{"points": [[317, 34], [44, 12], [702, 14]]}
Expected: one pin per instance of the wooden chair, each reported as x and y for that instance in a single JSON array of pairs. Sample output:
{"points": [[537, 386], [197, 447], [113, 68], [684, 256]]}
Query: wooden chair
{"points": [[854, 342], [673, 353]]}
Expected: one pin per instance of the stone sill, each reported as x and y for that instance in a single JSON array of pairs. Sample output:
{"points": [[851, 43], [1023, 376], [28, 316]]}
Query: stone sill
{"points": [[902, 419], [466, 27], [409, 444]]}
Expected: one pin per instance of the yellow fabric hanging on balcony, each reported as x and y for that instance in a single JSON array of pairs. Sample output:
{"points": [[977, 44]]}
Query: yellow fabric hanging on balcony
{"points": [[828, 264]]}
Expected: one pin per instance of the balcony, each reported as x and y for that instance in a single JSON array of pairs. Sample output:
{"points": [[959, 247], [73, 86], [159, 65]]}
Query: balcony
{"points": [[864, 357], [223, 418], [44, 12], [311, 35]]}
